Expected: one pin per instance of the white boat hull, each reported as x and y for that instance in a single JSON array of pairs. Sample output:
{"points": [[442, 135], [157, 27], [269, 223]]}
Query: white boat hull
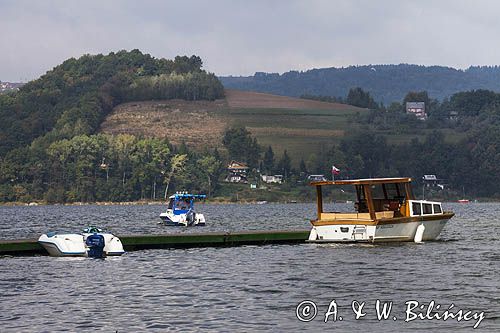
{"points": [[169, 218], [405, 231], [64, 245], [73, 245]]}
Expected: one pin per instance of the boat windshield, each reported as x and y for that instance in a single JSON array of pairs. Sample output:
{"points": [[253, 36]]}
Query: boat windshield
{"points": [[180, 203], [385, 197], [183, 203]]}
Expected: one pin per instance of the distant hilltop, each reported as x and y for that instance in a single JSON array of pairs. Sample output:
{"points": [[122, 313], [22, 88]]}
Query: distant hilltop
{"points": [[9, 86], [386, 83]]}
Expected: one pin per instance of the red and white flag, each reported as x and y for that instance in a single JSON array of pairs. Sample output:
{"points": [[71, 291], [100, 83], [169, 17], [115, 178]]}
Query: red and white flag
{"points": [[335, 170]]}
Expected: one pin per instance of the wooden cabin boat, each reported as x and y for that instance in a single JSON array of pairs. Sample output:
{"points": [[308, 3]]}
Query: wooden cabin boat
{"points": [[385, 211]]}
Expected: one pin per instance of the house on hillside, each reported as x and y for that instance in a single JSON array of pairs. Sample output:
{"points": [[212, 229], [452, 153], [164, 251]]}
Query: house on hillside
{"points": [[432, 181], [276, 179], [237, 173], [316, 178], [417, 109], [453, 116]]}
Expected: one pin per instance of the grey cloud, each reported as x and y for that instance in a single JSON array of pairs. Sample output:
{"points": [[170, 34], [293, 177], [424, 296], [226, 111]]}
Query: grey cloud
{"points": [[241, 37]]}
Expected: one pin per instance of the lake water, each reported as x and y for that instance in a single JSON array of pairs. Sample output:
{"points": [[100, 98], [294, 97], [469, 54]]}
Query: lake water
{"points": [[247, 288]]}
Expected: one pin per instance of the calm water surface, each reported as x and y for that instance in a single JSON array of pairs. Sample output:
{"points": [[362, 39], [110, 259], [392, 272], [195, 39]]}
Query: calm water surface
{"points": [[247, 288]]}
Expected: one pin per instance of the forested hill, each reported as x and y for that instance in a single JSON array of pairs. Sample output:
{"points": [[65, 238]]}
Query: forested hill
{"points": [[73, 98], [386, 83], [49, 146]]}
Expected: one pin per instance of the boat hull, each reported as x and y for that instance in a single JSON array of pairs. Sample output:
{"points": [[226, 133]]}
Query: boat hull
{"points": [[407, 231], [73, 245], [64, 245], [386, 232], [171, 219], [55, 251], [176, 224]]}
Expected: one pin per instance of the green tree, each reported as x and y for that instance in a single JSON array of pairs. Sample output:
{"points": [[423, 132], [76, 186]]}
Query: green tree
{"points": [[268, 161], [241, 146], [302, 166], [210, 166], [395, 108], [177, 164], [470, 103], [285, 165], [361, 98]]}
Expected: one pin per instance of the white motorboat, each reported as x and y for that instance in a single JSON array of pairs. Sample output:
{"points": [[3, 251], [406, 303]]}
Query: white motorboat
{"points": [[91, 243], [180, 210], [385, 211]]}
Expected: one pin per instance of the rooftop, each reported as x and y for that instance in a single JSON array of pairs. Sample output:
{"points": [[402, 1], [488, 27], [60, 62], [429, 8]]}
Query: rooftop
{"points": [[419, 105], [368, 181]]}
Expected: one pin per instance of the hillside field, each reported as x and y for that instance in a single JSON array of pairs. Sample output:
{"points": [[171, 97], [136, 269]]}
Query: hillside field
{"points": [[302, 127]]}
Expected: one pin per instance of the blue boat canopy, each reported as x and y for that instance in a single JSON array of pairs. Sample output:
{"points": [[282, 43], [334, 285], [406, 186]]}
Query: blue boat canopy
{"points": [[189, 196], [182, 203]]}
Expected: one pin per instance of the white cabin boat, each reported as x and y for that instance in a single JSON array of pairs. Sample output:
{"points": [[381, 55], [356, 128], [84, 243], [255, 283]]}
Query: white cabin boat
{"points": [[91, 243], [385, 211], [180, 211]]}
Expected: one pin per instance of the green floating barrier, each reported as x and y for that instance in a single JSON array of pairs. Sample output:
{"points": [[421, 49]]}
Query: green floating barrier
{"points": [[141, 242]]}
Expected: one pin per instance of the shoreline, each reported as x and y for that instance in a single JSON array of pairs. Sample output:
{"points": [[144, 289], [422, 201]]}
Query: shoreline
{"points": [[140, 203], [160, 203]]}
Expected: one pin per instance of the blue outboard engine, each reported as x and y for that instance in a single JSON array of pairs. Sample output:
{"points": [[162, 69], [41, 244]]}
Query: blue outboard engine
{"points": [[95, 243]]}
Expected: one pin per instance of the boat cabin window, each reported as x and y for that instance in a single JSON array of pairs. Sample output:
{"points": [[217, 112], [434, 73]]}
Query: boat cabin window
{"points": [[171, 203], [338, 199], [427, 208], [388, 192], [378, 192], [361, 206], [395, 192], [437, 209], [386, 197], [416, 207]]}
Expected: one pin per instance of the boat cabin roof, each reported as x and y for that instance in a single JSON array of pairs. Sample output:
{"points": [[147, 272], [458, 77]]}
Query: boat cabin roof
{"points": [[187, 196], [368, 181]]}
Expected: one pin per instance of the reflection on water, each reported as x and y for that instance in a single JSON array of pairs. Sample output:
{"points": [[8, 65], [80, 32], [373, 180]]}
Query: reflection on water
{"points": [[248, 288]]}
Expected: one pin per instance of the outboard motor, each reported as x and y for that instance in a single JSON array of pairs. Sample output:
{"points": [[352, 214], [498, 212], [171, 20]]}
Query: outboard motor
{"points": [[190, 217], [95, 243]]}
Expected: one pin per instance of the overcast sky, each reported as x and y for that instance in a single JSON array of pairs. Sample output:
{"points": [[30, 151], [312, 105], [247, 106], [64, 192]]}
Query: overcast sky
{"points": [[242, 37]]}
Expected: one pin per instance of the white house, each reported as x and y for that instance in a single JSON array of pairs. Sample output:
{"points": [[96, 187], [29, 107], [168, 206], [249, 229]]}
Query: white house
{"points": [[316, 178], [237, 172], [417, 109], [277, 179]]}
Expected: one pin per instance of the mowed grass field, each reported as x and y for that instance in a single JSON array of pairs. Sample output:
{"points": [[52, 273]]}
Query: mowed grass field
{"points": [[300, 132], [302, 127]]}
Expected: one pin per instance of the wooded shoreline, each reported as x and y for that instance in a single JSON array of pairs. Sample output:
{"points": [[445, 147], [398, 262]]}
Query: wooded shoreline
{"points": [[161, 203]]}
